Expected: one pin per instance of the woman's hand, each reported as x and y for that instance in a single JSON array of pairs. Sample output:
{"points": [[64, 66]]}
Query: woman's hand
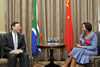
{"points": [[79, 46]]}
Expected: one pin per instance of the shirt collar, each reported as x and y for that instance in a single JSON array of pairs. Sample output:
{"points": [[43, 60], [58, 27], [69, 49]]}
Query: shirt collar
{"points": [[13, 33]]}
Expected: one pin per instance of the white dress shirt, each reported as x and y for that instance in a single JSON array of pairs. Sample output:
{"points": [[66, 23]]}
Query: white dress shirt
{"points": [[15, 40]]}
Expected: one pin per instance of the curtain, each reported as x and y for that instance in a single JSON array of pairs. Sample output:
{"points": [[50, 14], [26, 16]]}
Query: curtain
{"points": [[3, 17], [84, 11], [51, 17]]}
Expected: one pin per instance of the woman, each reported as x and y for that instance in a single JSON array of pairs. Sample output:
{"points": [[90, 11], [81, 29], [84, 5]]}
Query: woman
{"points": [[86, 47]]}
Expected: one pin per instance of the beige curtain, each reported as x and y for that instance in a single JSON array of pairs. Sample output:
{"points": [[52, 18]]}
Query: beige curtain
{"points": [[21, 11], [3, 17], [83, 11], [52, 17]]}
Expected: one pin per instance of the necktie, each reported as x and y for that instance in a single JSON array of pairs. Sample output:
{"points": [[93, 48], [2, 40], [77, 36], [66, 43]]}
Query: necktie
{"points": [[15, 41]]}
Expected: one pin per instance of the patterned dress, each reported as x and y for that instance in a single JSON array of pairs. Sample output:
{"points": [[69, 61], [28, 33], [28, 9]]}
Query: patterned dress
{"points": [[81, 55]]}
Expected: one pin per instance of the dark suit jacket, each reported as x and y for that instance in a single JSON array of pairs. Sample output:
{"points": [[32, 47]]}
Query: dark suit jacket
{"points": [[8, 43]]}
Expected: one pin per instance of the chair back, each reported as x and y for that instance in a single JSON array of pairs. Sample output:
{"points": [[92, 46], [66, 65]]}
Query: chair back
{"points": [[98, 35]]}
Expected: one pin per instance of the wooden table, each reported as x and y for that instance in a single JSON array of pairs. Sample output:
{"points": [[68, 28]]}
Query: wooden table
{"points": [[51, 64]]}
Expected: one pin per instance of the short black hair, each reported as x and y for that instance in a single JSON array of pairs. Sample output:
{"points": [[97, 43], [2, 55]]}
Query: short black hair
{"points": [[88, 26], [13, 24]]}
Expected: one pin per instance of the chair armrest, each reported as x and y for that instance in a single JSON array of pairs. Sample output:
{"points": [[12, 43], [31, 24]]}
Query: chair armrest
{"points": [[93, 58], [97, 62]]}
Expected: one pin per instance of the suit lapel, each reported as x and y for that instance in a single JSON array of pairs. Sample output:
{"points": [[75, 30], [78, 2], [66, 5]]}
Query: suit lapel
{"points": [[18, 39], [11, 39]]}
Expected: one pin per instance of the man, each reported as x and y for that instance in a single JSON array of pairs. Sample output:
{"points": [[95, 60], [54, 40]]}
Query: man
{"points": [[14, 47]]}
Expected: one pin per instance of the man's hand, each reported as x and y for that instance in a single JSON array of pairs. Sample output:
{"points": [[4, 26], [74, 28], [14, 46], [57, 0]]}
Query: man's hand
{"points": [[15, 52]]}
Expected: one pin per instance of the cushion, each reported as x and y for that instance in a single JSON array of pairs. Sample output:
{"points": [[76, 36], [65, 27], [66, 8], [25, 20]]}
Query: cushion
{"points": [[79, 65], [4, 60]]}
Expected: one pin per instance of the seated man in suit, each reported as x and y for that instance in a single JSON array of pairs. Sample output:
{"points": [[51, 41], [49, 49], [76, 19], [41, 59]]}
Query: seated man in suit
{"points": [[14, 47]]}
